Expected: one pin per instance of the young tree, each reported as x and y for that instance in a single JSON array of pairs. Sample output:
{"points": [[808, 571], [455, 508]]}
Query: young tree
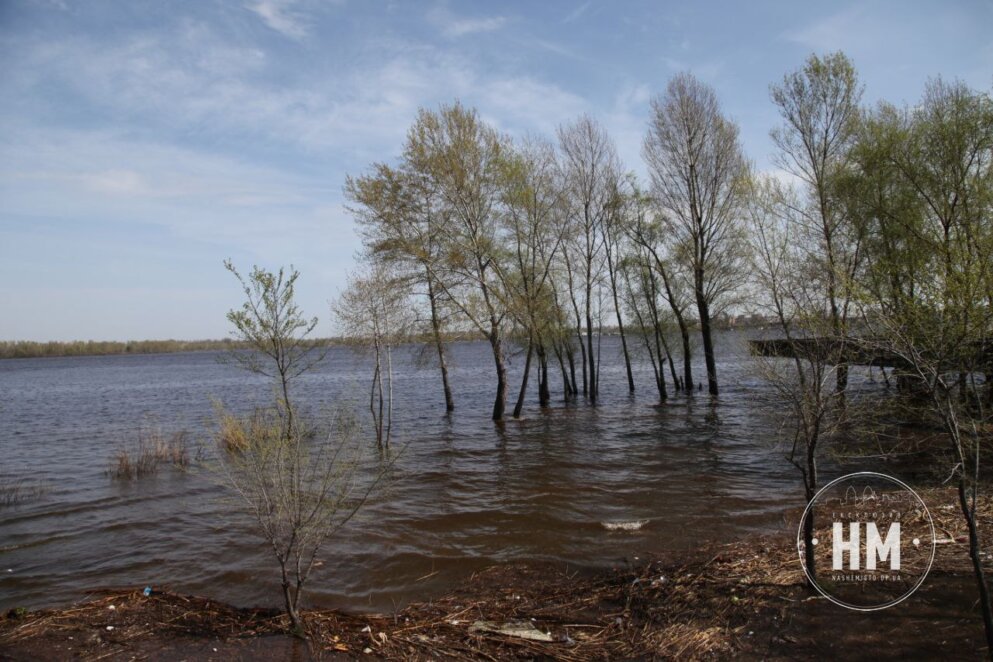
{"points": [[799, 365], [300, 489], [374, 311], [698, 171], [271, 324]]}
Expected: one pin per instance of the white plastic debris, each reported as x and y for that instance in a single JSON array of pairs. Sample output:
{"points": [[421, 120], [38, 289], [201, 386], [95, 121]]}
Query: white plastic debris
{"points": [[519, 629]]}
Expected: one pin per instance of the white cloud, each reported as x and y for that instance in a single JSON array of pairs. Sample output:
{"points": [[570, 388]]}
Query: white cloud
{"points": [[281, 17]]}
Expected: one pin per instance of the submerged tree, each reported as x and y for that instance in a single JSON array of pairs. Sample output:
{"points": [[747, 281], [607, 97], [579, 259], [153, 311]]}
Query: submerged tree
{"points": [[399, 213], [592, 174], [698, 171], [464, 160], [534, 225], [374, 311], [667, 275]]}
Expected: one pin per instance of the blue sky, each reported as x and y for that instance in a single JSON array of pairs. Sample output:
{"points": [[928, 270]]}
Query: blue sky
{"points": [[141, 143]]}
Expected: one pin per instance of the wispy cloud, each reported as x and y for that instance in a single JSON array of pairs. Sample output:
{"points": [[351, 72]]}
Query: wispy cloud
{"points": [[281, 16], [459, 26], [576, 13]]}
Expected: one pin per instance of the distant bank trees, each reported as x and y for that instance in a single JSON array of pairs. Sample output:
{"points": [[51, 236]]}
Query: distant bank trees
{"points": [[25, 349]]}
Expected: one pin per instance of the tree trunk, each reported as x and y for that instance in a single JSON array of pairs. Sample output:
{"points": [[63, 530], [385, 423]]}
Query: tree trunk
{"points": [[808, 546], [544, 396], [687, 367], [296, 624], [977, 563], [703, 307], [660, 369], [443, 364], [570, 356], [582, 351], [590, 356], [810, 486], [620, 322], [389, 391], [524, 382], [566, 386], [500, 404]]}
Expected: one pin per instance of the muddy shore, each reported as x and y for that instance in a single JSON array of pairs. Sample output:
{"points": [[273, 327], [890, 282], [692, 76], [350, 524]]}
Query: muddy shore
{"points": [[746, 600]]}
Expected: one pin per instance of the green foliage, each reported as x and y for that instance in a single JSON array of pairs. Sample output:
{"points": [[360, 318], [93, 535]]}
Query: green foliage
{"points": [[271, 324]]}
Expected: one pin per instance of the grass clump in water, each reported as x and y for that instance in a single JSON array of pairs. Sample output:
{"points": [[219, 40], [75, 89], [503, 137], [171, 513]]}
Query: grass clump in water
{"points": [[151, 451]]}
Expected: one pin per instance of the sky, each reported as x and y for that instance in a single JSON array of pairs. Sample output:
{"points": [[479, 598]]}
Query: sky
{"points": [[142, 143]]}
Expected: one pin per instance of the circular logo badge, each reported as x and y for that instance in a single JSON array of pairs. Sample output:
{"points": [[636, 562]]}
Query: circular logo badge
{"points": [[872, 541]]}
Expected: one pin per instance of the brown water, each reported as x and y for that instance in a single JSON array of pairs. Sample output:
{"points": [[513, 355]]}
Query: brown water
{"points": [[467, 494]]}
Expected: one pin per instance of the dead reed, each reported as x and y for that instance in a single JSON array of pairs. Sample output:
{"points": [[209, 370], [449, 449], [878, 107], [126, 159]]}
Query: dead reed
{"points": [[152, 450]]}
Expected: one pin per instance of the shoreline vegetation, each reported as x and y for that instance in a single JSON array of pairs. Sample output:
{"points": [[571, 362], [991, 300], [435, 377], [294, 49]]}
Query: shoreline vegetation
{"points": [[31, 349], [746, 599]]}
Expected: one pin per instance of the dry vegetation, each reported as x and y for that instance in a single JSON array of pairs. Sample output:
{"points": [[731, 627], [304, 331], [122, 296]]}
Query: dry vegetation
{"points": [[18, 490], [150, 451]]}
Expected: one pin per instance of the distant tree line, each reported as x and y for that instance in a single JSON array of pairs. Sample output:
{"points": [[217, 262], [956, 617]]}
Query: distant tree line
{"points": [[21, 349]]}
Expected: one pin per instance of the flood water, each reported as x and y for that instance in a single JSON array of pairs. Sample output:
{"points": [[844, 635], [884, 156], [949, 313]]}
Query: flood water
{"points": [[467, 493]]}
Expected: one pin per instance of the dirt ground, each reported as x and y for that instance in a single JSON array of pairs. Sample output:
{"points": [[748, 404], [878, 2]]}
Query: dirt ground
{"points": [[746, 600]]}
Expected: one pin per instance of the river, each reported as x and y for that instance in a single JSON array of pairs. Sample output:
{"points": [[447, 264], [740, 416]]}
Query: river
{"points": [[466, 493]]}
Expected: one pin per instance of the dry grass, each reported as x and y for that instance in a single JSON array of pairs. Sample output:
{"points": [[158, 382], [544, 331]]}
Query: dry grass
{"points": [[151, 450], [232, 437], [18, 490]]}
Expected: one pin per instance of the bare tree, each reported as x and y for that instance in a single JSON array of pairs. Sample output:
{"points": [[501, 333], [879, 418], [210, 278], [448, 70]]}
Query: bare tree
{"points": [[698, 171], [374, 311], [592, 171], [800, 365]]}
